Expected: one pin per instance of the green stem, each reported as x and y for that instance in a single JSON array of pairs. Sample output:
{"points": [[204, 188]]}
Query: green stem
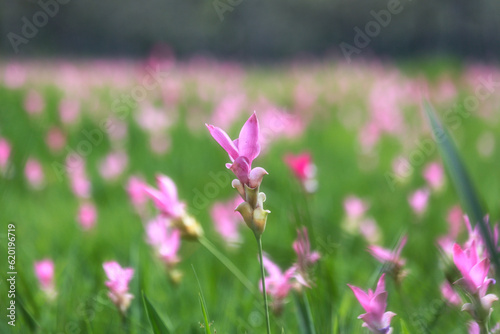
{"points": [[266, 308]]}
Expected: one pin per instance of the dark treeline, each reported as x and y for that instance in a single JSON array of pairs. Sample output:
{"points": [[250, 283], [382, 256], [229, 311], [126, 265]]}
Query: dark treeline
{"points": [[251, 29]]}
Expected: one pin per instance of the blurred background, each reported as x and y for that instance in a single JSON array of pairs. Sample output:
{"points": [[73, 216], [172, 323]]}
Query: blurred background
{"points": [[251, 30]]}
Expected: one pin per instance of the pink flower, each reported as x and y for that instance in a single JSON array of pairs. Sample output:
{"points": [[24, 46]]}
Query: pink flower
{"points": [[305, 258], [4, 153], [434, 175], [113, 165], [80, 185], [354, 207], [242, 151], [165, 198], [44, 271], [385, 255], [474, 271], [227, 220], [69, 110], [136, 191], [375, 303], [450, 295], [304, 169], [34, 103], [55, 139], [278, 284], [87, 215], [34, 173], [418, 200], [166, 241], [474, 328], [118, 281]]}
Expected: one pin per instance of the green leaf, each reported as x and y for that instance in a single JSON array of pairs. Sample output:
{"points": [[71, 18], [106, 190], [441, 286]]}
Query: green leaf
{"points": [[404, 328], [462, 182], [204, 311], [156, 321], [304, 315]]}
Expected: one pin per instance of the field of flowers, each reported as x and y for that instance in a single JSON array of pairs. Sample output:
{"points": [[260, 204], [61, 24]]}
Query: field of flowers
{"points": [[119, 182]]}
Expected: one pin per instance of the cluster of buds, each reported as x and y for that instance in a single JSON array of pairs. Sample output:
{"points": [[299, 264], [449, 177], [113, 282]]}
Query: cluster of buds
{"points": [[242, 152], [118, 281], [376, 319], [167, 202]]}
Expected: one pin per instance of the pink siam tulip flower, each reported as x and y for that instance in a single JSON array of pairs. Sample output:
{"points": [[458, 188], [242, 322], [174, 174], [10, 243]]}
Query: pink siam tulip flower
{"points": [[87, 216], [165, 241], [227, 220], [165, 198], [228, 110], [392, 258], [80, 185], [44, 271], [450, 295], [304, 169], [474, 328], [55, 139], [136, 189], [375, 303], [369, 230], [118, 281], [278, 284], [4, 153], [242, 151], [419, 200], [355, 207], [69, 110], [34, 173], [447, 242], [113, 165], [15, 75], [434, 175], [305, 258], [34, 103]]}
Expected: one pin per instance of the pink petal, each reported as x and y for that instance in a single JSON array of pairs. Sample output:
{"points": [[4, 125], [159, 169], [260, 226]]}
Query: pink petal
{"points": [[479, 272], [362, 297], [380, 285], [256, 176], [378, 304], [223, 139], [168, 188], [248, 141], [381, 254]]}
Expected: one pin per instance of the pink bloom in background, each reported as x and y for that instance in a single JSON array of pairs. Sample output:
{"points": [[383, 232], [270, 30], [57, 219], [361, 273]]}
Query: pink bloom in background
{"points": [[304, 169], [391, 258], [113, 165], [454, 220], [34, 103], [278, 284], [55, 139], [369, 136], [136, 189], [4, 153], [228, 109], [165, 240], [227, 220], [15, 75], [434, 175], [118, 281], [69, 110], [474, 328], [418, 200], [242, 151], [44, 271], [80, 185], [369, 230], [376, 319], [305, 258], [165, 198], [87, 215], [450, 295], [34, 173], [355, 207]]}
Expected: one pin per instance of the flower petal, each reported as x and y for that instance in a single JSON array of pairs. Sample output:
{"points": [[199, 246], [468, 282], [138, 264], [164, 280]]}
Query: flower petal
{"points": [[362, 297], [223, 139], [248, 141]]}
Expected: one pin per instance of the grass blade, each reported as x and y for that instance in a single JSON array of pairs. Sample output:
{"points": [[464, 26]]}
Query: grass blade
{"points": [[304, 314], [204, 311], [462, 182], [156, 321]]}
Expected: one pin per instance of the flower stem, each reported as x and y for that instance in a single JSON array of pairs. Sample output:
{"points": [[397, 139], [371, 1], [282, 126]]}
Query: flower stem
{"points": [[266, 308]]}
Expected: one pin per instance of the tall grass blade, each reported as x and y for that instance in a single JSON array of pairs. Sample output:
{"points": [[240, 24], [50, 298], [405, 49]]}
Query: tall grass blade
{"points": [[156, 321], [462, 182]]}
